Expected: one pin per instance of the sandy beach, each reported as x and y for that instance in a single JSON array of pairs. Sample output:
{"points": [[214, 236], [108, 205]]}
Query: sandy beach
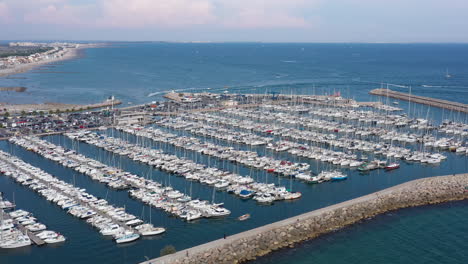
{"points": [[71, 53]]}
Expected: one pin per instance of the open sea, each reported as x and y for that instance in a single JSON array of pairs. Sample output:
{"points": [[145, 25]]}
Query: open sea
{"points": [[143, 72]]}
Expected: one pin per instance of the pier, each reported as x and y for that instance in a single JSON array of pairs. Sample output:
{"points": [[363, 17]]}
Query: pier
{"points": [[18, 89], [35, 239], [262, 240], [453, 106]]}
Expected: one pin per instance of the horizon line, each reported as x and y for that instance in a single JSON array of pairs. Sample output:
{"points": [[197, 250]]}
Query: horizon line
{"points": [[235, 41]]}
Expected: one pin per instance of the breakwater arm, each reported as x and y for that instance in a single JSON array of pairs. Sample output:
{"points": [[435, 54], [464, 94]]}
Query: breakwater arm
{"points": [[421, 100], [13, 89], [260, 241]]}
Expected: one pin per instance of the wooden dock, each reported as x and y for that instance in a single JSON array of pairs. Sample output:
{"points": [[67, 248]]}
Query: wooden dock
{"points": [[453, 106]]}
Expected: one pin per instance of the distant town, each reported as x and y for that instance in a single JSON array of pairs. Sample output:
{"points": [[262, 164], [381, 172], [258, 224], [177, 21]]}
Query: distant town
{"points": [[20, 53]]}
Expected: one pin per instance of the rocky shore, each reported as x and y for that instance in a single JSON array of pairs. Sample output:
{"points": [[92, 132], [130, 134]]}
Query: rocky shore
{"points": [[250, 244]]}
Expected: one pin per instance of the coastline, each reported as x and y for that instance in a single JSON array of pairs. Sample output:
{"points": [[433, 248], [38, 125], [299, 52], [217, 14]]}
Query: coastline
{"points": [[16, 109], [260, 241], [72, 53]]}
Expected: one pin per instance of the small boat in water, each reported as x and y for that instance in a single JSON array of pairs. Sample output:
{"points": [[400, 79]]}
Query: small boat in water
{"points": [[126, 238], [149, 230], [338, 176], [55, 239], [243, 217], [392, 166]]}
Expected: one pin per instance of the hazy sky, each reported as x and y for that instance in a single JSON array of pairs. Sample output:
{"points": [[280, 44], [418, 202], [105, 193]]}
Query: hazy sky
{"points": [[237, 20]]}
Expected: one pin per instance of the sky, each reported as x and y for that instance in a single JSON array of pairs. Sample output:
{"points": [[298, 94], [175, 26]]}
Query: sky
{"points": [[236, 20]]}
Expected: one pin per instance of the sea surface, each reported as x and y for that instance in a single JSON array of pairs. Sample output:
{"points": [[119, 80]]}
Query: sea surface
{"points": [[142, 72]]}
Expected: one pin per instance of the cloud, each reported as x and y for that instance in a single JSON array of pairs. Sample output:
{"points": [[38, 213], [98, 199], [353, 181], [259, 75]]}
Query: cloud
{"points": [[4, 13], [162, 13], [63, 14], [266, 13]]}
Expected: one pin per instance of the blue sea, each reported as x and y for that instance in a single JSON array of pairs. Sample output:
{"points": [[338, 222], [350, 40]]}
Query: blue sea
{"points": [[143, 72]]}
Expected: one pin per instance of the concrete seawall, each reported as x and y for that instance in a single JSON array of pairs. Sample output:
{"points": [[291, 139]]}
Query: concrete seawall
{"points": [[459, 107], [260, 241]]}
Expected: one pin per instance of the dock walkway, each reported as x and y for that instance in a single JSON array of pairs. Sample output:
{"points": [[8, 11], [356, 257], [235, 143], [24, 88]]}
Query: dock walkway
{"points": [[454, 106]]}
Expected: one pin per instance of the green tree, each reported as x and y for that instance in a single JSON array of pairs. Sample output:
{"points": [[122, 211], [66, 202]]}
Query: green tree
{"points": [[170, 249], [41, 113], [23, 113], [6, 114]]}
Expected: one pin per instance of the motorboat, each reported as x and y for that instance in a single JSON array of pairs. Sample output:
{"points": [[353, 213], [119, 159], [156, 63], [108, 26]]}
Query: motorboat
{"points": [[149, 230], [392, 166], [243, 217], [16, 242], [36, 227], [18, 213], [126, 237]]}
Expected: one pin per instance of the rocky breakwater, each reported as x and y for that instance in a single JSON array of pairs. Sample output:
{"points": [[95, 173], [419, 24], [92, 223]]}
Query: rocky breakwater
{"points": [[260, 241]]}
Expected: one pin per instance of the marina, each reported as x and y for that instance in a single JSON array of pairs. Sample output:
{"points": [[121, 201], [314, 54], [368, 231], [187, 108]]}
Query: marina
{"points": [[145, 190], [97, 212], [134, 179], [265, 153]]}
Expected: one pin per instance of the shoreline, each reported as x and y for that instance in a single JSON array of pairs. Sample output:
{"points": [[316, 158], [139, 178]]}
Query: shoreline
{"points": [[15, 109], [249, 245], [72, 53]]}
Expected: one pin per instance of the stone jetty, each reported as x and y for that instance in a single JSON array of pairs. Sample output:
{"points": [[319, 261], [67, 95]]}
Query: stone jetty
{"points": [[459, 107], [257, 242], [18, 89]]}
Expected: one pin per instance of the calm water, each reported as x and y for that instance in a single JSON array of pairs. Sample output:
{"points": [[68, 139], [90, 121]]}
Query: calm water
{"points": [[132, 72], [430, 234]]}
